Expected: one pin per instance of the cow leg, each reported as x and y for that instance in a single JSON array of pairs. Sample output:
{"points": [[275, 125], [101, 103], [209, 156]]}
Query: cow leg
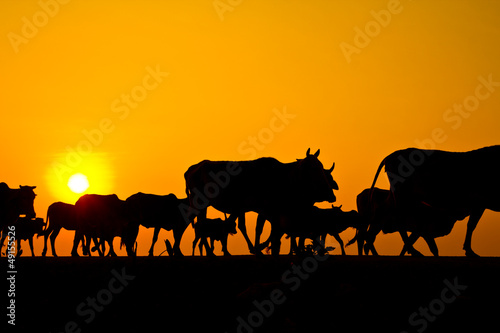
{"points": [[471, 225], [4, 235], [369, 238], [200, 247], [52, 238], [294, 248], [155, 238], [276, 240], [341, 242], [259, 227], [76, 242], [178, 232], [431, 242], [196, 238], [243, 229], [208, 249], [19, 251], [408, 244], [223, 241], [111, 252], [46, 235], [30, 241]]}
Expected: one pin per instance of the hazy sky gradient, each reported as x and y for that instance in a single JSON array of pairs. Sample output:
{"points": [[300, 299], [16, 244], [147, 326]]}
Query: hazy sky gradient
{"points": [[149, 88]]}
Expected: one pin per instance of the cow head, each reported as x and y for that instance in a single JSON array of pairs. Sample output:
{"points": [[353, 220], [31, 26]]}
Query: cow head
{"points": [[313, 179], [25, 201], [231, 226], [328, 174]]}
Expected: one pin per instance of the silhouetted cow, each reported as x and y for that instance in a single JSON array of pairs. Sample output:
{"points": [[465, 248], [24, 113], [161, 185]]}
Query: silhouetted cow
{"points": [[16, 202], [25, 229], [266, 186], [105, 217], [159, 211], [13, 203], [457, 184], [378, 208], [59, 215], [215, 229]]}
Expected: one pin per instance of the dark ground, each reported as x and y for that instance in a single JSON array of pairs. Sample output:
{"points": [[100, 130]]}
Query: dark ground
{"points": [[193, 294]]}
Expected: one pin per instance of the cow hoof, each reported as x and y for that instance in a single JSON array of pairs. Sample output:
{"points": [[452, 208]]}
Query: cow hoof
{"points": [[75, 254], [150, 254]]}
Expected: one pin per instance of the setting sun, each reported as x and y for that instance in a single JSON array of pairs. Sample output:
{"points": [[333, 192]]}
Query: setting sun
{"points": [[78, 183]]}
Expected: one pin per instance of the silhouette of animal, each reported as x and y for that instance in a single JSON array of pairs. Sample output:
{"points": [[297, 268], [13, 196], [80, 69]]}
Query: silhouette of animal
{"points": [[13, 203], [26, 229], [105, 217], [16, 202], [215, 229], [266, 186], [378, 208], [261, 219], [59, 215], [159, 211], [457, 184], [322, 222]]}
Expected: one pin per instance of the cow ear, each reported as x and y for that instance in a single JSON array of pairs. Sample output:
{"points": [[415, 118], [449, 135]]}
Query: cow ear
{"points": [[316, 154], [331, 169], [308, 152], [340, 207]]}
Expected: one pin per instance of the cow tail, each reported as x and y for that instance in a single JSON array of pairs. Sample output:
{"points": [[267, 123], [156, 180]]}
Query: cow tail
{"points": [[382, 164], [46, 230]]}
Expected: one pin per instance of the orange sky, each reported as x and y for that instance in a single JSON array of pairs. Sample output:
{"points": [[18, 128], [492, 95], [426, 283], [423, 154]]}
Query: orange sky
{"points": [[132, 93]]}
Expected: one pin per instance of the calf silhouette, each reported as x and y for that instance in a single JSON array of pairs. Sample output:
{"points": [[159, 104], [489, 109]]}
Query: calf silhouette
{"points": [[215, 229], [26, 229]]}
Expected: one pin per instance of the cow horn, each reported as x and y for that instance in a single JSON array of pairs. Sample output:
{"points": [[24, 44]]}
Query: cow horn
{"points": [[331, 169], [316, 154], [308, 152]]}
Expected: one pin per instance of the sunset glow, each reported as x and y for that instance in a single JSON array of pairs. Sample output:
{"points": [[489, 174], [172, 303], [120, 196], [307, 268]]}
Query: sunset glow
{"points": [[131, 94], [78, 183]]}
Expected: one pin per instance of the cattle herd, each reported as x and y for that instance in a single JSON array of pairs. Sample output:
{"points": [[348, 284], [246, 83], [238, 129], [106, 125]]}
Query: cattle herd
{"points": [[430, 190]]}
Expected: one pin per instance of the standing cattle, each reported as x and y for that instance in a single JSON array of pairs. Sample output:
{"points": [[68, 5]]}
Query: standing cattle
{"points": [[105, 217], [59, 215], [159, 211], [378, 209], [277, 190], [13, 203], [25, 229], [457, 184]]}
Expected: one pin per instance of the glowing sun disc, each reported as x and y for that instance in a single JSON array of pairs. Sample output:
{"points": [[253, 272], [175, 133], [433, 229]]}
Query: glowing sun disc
{"points": [[78, 183]]}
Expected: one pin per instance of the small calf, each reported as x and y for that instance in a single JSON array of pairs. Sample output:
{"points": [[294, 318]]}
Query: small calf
{"points": [[25, 229], [215, 229], [330, 221]]}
